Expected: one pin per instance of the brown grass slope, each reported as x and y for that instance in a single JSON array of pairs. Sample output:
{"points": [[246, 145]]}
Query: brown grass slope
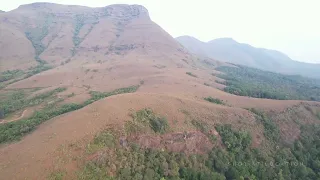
{"points": [[21, 159], [83, 39], [62, 138]]}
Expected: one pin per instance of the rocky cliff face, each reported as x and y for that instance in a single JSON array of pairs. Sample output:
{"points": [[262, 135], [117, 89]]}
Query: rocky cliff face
{"points": [[116, 10]]}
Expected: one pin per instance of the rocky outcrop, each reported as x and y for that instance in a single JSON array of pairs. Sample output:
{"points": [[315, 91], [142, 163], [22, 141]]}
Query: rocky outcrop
{"points": [[122, 11]]}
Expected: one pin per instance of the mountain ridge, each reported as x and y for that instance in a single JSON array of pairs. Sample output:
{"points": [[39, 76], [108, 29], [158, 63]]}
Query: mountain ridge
{"points": [[229, 50]]}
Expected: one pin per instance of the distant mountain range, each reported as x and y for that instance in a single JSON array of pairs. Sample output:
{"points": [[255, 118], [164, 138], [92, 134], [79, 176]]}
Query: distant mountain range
{"points": [[229, 50]]}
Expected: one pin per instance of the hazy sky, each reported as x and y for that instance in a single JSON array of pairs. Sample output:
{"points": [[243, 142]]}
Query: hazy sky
{"points": [[290, 26]]}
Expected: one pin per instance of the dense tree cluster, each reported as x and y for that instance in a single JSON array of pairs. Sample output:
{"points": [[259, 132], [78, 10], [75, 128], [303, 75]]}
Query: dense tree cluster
{"points": [[17, 100], [37, 69], [271, 130], [245, 81], [236, 160], [145, 120], [38, 33], [10, 74]]}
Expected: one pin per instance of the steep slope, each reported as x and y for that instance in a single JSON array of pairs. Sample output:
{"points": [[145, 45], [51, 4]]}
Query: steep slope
{"points": [[76, 39], [55, 33], [11, 39], [227, 49], [193, 45]]}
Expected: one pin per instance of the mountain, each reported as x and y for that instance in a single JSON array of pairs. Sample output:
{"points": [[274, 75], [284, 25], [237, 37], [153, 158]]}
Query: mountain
{"points": [[229, 50], [54, 33], [106, 93]]}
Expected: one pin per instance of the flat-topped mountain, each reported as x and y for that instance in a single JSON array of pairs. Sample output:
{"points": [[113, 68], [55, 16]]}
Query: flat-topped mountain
{"points": [[55, 33]]}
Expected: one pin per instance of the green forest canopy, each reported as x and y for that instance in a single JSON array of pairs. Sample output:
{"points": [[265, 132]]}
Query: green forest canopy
{"points": [[238, 160], [245, 81]]}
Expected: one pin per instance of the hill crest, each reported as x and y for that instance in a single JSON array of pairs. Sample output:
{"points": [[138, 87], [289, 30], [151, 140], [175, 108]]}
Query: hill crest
{"points": [[63, 11]]}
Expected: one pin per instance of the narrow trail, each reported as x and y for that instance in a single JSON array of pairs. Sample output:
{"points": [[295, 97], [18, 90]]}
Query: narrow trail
{"points": [[22, 115]]}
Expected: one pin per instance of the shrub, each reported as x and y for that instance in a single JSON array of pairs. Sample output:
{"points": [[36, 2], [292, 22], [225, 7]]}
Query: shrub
{"points": [[271, 130], [205, 129], [221, 82], [214, 100], [143, 115], [105, 138], [8, 75], [159, 125], [92, 171], [71, 95], [57, 175], [202, 126], [146, 118], [190, 74], [132, 127], [234, 141], [100, 95], [1, 114]]}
